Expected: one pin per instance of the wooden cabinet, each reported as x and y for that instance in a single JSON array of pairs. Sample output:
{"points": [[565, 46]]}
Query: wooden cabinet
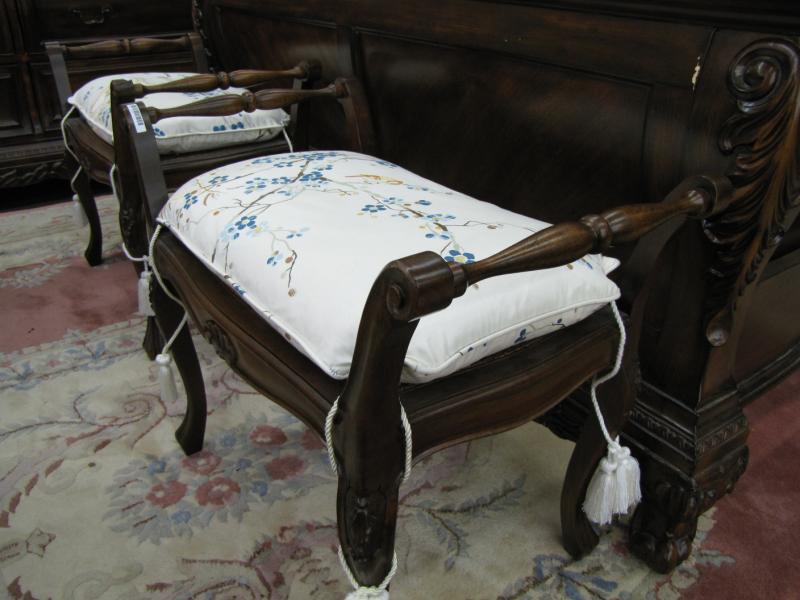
{"points": [[30, 139]]}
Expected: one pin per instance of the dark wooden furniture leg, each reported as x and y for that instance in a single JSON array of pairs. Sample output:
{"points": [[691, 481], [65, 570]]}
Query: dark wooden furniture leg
{"points": [[368, 422], [82, 186], [616, 398], [169, 313]]}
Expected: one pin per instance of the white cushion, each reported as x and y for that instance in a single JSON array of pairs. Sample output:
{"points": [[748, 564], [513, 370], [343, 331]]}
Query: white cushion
{"points": [[179, 135], [303, 236]]}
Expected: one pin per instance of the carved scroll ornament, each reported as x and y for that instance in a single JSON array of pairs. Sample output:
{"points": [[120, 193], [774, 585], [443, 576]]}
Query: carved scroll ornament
{"points": [[764, 78]]}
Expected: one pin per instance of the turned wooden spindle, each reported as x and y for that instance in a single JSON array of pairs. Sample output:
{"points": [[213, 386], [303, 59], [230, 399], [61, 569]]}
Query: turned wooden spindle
{"points": [[232, 104], [221, 80], [127, 46], [565, 242]]}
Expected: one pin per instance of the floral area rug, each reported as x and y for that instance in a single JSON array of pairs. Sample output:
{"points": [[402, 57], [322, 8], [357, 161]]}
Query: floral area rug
{"points": [[98, 501]]}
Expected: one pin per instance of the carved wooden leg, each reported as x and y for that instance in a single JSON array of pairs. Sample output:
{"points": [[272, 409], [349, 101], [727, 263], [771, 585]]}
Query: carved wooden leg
{"points": [[368, 435], [616, 398], [370, 468], [192, 429], [82, 187]]}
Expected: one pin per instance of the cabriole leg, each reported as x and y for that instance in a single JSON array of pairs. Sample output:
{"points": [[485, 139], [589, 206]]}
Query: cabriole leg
{"points": [[616, 398], [191, 431], [82, 187]]}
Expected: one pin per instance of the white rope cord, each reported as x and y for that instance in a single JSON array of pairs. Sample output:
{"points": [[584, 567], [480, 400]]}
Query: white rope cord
{"points": [[596, 381], [177, 300], [379, 591], [153, 239], [363, 591], [288, 140], [406, 430], [145, 259], [111, 173], [64, 132], [78, 214]]}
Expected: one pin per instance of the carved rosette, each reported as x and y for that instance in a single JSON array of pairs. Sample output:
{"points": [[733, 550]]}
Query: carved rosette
{"points": [[764, 78]]}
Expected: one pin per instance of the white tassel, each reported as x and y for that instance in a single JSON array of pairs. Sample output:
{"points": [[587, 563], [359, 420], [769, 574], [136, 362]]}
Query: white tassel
{"points": [[600, 495], [627, 475], [367, 594], [145, 308], [614, 487], [169, 392], [78, 214]]}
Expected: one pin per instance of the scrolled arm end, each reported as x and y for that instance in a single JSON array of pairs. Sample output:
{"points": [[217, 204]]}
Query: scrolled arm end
{"points": [[417, 285]]}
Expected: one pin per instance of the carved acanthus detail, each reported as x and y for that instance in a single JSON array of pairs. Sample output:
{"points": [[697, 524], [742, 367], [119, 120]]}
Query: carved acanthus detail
{"points": [[664, 525], [763, 136]]}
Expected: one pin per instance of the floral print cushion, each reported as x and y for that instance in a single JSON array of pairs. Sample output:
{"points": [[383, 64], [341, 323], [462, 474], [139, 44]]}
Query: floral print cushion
{"points": [[179, 135], [303, 236]]}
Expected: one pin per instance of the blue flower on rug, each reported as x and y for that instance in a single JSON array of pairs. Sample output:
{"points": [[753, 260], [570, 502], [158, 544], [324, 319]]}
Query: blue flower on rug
{"points": [[155, 498]]}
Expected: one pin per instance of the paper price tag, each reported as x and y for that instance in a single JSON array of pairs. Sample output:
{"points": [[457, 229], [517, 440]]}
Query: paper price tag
{"points": [[138, 119]]}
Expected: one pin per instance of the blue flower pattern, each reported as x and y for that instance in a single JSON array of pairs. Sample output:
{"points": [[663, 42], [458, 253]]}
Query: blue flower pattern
{"points": [[241, 226], [273, 180], [189, 199]]}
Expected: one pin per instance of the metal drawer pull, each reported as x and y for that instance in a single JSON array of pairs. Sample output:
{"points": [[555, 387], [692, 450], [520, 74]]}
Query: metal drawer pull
{"points": [[92, 18]]}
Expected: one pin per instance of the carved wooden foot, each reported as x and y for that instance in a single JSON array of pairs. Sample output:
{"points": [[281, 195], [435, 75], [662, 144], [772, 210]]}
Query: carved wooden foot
{"points": [[616, 397], [192, 429], [665, 523], [83, 189], [367, 516]]}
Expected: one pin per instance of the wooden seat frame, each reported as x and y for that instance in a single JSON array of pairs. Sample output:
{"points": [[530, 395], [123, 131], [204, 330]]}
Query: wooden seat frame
{"points": [[498, 393]]}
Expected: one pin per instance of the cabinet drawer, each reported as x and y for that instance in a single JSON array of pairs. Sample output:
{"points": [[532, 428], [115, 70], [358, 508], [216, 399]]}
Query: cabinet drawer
{"points": [[78, 19], [14, 117]]}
